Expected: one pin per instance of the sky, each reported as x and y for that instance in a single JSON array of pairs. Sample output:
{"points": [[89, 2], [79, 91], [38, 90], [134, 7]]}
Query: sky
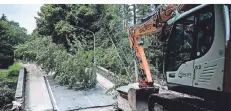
{"points": [[22, 13]]}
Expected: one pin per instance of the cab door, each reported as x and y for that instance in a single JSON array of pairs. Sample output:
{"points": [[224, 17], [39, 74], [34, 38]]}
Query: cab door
{"points": [[180, 52], [211, 34]]}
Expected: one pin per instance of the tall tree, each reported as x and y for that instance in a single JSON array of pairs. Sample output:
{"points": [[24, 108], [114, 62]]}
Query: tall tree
{"points": [[3, 17], [11, 34], [68, 22]]}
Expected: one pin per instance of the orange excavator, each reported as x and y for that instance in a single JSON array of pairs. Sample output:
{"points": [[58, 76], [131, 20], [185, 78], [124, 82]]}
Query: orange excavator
{"points": [[197, 60], [154, 24]]}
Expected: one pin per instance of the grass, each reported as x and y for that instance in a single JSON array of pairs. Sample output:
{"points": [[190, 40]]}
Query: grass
{"points": [[3, 73], [13, 70], [10, 74], [4, 76]]}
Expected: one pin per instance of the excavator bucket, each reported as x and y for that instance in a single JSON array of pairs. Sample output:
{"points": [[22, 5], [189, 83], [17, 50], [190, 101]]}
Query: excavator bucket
{"points": [[134, 98]]}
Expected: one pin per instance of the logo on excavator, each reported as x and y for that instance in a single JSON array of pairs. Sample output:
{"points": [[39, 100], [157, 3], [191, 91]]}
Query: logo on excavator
{"points": [[182, 74], [145, 27]]}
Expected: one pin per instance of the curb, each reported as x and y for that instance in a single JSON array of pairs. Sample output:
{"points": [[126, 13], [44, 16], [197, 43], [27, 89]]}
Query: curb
{"points": [[104, 82], [21, 85], [53, 101]]}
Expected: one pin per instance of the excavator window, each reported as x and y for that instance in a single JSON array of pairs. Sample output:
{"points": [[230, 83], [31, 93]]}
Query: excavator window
{"points": [[191, 38], [205, 27], [180, 43]]}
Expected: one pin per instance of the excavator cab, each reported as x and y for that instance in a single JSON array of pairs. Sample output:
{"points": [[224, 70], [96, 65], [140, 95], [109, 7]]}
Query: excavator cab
{"points": [[196, 58]]}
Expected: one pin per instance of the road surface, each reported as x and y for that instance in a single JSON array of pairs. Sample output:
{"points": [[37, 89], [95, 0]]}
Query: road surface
{"points": [[36, 93], [68, 99], [37, 97]]}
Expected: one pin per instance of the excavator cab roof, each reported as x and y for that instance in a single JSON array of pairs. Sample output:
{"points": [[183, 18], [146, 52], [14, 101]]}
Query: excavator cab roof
{"points": [[177, 18]]}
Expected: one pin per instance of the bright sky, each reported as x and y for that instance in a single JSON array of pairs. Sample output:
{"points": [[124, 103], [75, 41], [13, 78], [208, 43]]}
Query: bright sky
{"points": [[22, 13]]}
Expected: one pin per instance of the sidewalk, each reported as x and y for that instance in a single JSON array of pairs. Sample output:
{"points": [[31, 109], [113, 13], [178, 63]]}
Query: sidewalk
{"points": [[37, 96]]}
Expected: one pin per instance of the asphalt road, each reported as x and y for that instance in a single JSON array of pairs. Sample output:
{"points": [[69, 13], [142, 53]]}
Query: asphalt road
{"points": [[68, 99]]}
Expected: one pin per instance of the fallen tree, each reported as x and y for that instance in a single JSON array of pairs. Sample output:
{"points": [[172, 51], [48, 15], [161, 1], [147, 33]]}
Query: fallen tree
{"points": [[74, 70]]}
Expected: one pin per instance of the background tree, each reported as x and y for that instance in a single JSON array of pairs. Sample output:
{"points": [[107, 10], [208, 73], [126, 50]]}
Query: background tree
{"points": [[11, 34]]}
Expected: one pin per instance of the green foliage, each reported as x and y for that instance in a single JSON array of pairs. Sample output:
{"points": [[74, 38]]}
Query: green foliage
{"points": [[72, 70], [7, 89], [8, 82], [3, 73], [63, 27], [6, 49], [11, 34], [6, 95], [13, 70], [60, 20]]}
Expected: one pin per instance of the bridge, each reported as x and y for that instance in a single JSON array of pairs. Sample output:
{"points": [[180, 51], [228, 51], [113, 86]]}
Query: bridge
{"points": [[37, 91]]}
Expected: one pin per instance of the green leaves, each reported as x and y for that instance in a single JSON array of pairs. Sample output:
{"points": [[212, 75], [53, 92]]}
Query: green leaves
{"points": [[6, 95], [8, 83], [13, 70], [63, 27], [76, 70], [11, 34], [59, 21]]}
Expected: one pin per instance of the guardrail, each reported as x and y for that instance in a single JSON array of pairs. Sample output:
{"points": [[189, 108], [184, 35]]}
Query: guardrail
{"points": [[103, 70], [20, 90], [107, 74]]}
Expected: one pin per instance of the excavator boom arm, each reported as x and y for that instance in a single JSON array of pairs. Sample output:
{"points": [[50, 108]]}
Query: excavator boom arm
{"points": [[151, 24]]}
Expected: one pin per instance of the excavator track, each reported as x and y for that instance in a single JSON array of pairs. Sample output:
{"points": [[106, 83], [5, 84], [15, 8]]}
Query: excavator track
{"points": [[174, 102]]}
